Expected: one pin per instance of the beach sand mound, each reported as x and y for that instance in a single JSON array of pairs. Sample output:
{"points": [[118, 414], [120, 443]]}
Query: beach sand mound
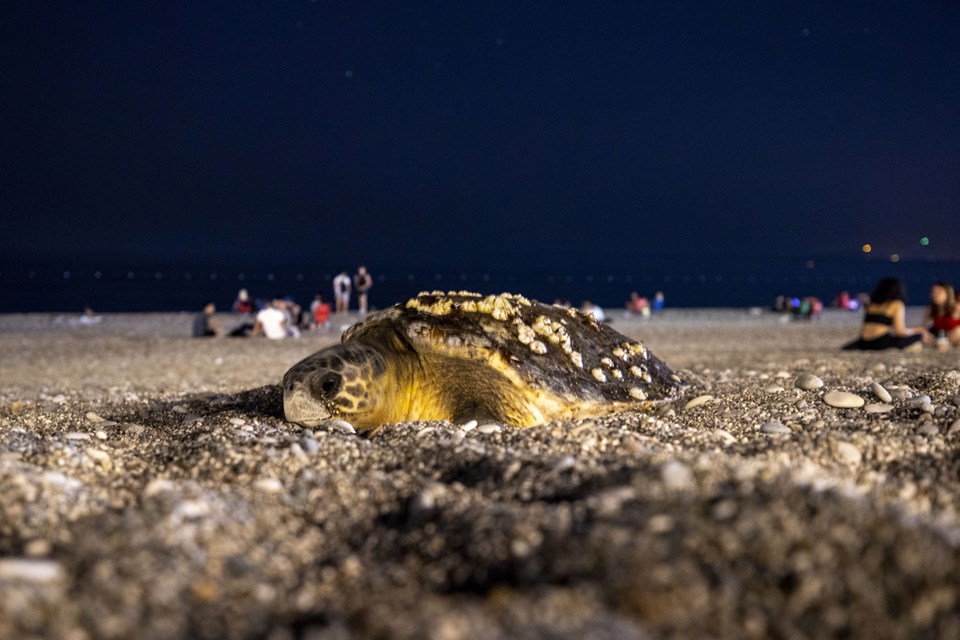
{"points": [[152, 489]]}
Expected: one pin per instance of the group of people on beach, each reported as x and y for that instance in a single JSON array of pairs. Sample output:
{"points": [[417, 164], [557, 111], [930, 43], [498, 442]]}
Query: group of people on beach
{"points": [[884, 325], [282, 317]]}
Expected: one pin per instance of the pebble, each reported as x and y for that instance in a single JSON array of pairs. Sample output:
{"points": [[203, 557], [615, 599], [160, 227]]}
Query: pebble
{"points": [[901, 394], [100, 434], [269, 485], [102, 457], [874, 407], [696, 402], [929, 429], [178, 408], [660, 523], [843, 400], [801, 404], [29, 570], [808, 381], [774, 388], [882, 394], [926, 407], [775, 428], [469, 426], [489, 428], [309, 446], [676, 476], [93, 417], [848, 453], [426, 431], [237, 421], [954, 428], [339, 426], [76, 435]]}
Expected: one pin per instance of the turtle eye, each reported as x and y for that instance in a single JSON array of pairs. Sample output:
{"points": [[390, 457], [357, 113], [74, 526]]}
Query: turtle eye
{"points": [[330, 384]]}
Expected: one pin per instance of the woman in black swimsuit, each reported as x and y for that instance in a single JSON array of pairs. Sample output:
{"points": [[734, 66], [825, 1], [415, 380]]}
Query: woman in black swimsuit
{"points": [[883, 324]]}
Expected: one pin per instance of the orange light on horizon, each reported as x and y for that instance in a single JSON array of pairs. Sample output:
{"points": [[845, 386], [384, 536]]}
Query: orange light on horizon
{"points": [[867, 248]]}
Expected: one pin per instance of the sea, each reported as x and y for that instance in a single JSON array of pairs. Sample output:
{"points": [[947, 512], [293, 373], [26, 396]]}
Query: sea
{"points": [[52, 285]]}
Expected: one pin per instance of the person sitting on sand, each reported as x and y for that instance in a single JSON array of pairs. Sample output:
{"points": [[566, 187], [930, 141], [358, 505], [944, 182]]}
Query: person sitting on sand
{"points": [[638, 305], [883, 321], [943, 315], [272, 321], [592, 309], [205, 325]]}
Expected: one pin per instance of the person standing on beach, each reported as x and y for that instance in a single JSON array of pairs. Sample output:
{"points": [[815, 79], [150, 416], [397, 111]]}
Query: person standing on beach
{"points": [[883, 322], [341, 292], [362, 282]]}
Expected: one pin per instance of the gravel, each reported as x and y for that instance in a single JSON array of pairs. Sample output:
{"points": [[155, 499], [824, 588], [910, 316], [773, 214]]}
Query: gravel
{"points": [[152, 489]]}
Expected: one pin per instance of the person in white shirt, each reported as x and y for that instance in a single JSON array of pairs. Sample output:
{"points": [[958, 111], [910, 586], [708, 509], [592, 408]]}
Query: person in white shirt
{"points": [[271, 322], [341, 291]]}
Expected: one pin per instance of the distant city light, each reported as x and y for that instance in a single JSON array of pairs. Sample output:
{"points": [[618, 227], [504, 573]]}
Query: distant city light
{"points": [[811, 264], [867, 248], [924, 240], [894, 258]]}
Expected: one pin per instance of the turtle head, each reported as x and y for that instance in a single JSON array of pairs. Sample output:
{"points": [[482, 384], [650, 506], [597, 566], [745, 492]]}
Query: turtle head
{"points": [[343, 381]]}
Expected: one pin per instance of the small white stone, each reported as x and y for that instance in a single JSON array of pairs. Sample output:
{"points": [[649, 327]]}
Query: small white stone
{"points": [[489, 428], [696, 402], [76, 435], [843, 400], [808, 381], [775, 428], [269, 485], [848, 453], [102, 457], [93, 417], [339, 425], [29, 570], [100, 434], [882, 394], [676, 476], [773, 388], [159, 485], [598, 374], [874, 407], [237, 421], [469, 426]]}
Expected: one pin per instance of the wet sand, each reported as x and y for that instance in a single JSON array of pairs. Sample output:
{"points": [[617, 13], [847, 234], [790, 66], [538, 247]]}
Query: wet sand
{"points": [[152, 489]]}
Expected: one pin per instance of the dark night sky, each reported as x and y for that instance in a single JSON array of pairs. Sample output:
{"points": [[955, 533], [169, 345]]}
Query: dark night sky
{"points": [[527, 134]]}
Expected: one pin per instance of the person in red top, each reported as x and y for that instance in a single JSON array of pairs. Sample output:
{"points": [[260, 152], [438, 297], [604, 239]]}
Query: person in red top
{"points": [[321, 314], [943, 314]]}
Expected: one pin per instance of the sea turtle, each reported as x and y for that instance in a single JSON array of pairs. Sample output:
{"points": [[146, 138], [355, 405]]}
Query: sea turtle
{"points": [[459, 356]]}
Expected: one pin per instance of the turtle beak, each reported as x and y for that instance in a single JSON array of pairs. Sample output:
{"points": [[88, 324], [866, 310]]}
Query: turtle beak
{"points": [[300, 407]]}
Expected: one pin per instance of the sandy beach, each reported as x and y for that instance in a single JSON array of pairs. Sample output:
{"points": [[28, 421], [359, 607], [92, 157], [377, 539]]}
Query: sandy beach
{"points": [[152, 489]]}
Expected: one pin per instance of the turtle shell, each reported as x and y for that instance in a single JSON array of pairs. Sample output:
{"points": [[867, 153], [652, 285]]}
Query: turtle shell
{"points": [[559, 357]]}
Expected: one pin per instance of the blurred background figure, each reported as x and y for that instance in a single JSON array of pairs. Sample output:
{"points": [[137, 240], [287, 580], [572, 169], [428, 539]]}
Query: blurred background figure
{"points": [[341, 292], [205, 324], [272, 321], [362, 283], [594, 310], [243, 305], [638, 305], [320, 312]]}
